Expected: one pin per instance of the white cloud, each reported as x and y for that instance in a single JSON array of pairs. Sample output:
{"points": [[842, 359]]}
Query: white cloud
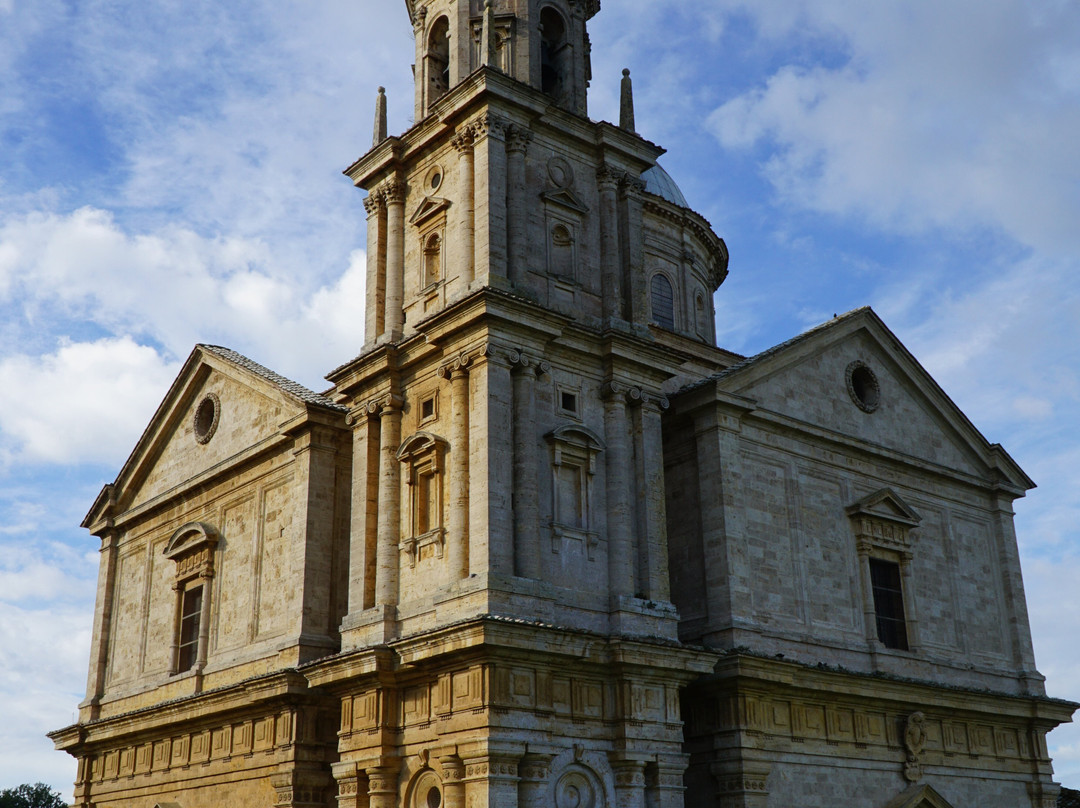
{"points": [[85, 402], [177, 289], [931, 119]]}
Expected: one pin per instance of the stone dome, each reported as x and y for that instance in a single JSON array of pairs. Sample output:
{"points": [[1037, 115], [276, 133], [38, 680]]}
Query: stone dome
{"points": [[659, 182]]}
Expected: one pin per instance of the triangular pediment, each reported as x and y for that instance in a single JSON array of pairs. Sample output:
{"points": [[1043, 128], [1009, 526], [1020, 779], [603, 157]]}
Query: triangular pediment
{"points": [[221, 408], [885, 504], [431, 207], [564, 197], [852, 379], [919, 797]]}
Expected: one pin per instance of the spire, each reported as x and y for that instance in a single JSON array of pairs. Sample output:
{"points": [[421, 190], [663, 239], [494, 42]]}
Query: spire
{"points": [[487, 35], [626, 108], [380, 117]]}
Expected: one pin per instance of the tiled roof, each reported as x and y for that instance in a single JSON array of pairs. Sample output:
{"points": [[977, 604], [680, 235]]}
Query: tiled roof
{"points": [[1069, 798], [295, 389], [783, 346]]}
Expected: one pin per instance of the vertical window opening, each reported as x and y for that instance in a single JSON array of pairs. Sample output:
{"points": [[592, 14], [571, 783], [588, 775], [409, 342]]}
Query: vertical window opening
{"points": [[889, 603], [553, 53], [663, 302], [190, 615], [438, 57]]}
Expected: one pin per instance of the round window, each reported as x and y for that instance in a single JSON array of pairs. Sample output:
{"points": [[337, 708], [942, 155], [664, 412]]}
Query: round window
{"points": [[863, 387], [434, 178], [207, 415]]}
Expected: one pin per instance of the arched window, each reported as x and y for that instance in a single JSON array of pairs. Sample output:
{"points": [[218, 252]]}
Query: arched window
{"points": [[663, 302], [554, 54], [432, 259], [438, 59]]}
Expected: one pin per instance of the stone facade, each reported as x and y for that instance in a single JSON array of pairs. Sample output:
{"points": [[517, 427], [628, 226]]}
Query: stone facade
{"points": [[543, 543]]}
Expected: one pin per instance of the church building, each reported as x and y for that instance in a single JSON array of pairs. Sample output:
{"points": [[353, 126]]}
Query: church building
{"points": [[543, 543]]}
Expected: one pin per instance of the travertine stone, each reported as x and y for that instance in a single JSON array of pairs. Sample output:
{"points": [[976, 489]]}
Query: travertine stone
{"points": [[394, 318], [635, 574], [389, 534]]}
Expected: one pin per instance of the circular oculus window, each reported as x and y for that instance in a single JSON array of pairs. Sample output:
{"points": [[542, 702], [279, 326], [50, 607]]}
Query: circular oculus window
{"points": [[863, 387], [435, 178], [207, 415]]}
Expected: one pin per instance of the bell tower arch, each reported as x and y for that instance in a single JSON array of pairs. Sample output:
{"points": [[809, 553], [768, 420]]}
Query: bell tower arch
{"points": [[542, 43]]}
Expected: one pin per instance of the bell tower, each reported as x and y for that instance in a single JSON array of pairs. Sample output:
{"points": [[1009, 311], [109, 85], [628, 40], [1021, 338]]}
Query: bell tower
{"points": [[535, 286], [542, 43]]}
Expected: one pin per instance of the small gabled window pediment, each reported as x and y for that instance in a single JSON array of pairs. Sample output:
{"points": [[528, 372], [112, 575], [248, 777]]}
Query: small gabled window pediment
{"points": [[885, 504], [919, 797], [431, 207]]}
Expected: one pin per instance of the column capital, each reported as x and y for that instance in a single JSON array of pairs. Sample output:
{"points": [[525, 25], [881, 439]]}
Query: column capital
{"points": [[387, 403], [488, 124], [464, 139], [458, 366], [383, 779], [492, 767], [535, 768], [521, 362], [656, 402], [630, 186], [518, 139], [608, 176], [373, 203], [392, 192]]}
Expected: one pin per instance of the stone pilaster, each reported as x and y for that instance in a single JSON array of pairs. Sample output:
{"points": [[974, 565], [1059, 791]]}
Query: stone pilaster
{"points": [[629, 783], [620, 511], [383, 786], [363, 539], [463, 225], [610, 265], [526, 468], [453, 780], [375, 293], [664, 781], [534, 771], [457, 540], [99, 648], [490, 204], [517, 144], [491, 466], [632, 249], [351, 785], [652, 559], [394, 317], [389, 531], [741, 784], [491, 781]]}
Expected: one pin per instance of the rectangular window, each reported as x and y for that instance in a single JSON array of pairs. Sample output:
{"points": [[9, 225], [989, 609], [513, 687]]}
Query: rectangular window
{"points": [[190, 615], [889, 603]]}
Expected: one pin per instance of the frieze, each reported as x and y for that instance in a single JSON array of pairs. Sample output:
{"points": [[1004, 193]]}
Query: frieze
{"points": [[219, 744], [837, 725]]}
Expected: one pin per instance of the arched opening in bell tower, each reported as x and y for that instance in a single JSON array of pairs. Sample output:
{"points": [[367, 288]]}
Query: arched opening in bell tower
{"points": [[554, 54], [438, 59]]}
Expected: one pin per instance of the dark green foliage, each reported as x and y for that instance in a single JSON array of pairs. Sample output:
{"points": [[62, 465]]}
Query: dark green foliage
{"points": [[38, 795]]}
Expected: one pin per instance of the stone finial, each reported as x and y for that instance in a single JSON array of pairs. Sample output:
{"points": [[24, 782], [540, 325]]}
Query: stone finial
{"points": [[380, 118], [487, 35], [626, 108]]}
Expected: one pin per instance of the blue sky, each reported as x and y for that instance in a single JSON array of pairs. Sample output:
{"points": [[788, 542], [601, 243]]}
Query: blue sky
{"points": [[171, 175]]}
